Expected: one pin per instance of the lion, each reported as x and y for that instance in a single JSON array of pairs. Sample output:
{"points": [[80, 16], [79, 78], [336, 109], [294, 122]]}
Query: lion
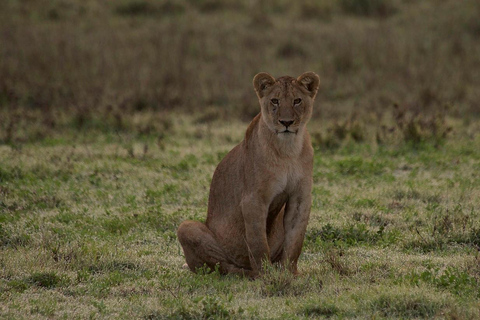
{"points": [[260, 194]]}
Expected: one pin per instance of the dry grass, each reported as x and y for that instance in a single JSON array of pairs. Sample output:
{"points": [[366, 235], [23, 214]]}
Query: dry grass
{"points": [[98, 60]]}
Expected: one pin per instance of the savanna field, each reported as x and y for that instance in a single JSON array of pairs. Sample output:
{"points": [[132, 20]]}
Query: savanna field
{"points": [[114, 115]]}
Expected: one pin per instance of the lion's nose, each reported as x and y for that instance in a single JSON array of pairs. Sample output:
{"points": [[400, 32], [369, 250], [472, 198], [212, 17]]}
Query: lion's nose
{"points": [[286, 123]]}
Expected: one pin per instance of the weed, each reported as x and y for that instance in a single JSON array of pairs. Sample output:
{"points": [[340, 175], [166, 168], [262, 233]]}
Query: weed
{"points": [[187, 163], [365, 203], [474, 237], [210, 307], [319, 309], [83, 275], [45, 307], [116, 225], [333, 257], [18, 285], [454, 280], [350, 235], [46, 280], [406, 194], [447, 228], [10, 174], [356, 166], [8, 238], [180, 313], [157, 219], [213, 308], [405, 305], [276, 280], [111, 266], [374, 220]]}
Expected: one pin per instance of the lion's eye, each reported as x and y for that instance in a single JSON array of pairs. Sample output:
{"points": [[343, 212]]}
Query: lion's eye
{"points": [[297, 101], [274, 101]]}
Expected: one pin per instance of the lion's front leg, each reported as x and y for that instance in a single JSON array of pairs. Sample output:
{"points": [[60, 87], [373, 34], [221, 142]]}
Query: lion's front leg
{"points": [[297, 212], [255, 218]]}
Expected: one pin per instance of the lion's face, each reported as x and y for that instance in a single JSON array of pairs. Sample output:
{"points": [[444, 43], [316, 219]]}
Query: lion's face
{"points": [[286, 102]]}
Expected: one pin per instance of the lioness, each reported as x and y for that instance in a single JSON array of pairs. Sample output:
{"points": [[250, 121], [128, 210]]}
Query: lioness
{"points": [[260, 195]]}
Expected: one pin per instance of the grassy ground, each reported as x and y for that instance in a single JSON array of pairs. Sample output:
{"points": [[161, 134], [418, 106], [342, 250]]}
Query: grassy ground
{"points": [[88, 221], [114, 114]]}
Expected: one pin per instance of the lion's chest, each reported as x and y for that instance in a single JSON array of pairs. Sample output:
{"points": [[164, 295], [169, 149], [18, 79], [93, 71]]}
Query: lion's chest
{"points": [[286, 177]]}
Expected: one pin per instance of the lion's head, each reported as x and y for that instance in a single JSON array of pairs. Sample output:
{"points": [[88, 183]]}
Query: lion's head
{"points": [[286, 102]]}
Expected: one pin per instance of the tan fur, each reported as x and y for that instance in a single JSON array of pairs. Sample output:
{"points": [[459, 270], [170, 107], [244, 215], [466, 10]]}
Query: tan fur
{"points": [[260, 195]]}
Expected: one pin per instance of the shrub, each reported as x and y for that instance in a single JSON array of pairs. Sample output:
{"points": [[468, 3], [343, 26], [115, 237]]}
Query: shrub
{"points": [[45, 279], [417, 128], [348, 235], [454, 280]]}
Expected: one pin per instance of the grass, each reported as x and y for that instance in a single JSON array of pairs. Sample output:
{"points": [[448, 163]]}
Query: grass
{"points": [[88, 228], [114, 115]]}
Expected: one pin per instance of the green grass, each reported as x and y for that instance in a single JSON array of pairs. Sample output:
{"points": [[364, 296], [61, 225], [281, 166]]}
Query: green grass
{"points": [[87, 229]]}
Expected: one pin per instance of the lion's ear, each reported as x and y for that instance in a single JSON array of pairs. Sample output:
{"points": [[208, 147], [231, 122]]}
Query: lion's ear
{"points": [[310, 81], [261, 82]]}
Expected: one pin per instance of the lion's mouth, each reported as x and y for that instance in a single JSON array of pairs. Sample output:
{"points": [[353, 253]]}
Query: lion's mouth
{"points": [[287, 132]]}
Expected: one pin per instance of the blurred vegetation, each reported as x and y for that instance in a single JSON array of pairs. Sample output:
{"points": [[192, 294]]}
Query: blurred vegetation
{"points": [[93, 64]]}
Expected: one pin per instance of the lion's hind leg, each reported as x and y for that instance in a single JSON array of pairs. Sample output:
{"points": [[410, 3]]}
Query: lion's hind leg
{"points": [[201, 248]]}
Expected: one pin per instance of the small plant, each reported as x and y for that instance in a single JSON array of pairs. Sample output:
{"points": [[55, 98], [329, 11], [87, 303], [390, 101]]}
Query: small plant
{"points": [[356, 166], [405, 305], [213, 308], [117, 225], [474, 237], [276, 280], [45, 279], [18, 285], [319, 309], [203, 307], [333, 257], [9, 238], [186, 164], [349, 235], [454, 280]]}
